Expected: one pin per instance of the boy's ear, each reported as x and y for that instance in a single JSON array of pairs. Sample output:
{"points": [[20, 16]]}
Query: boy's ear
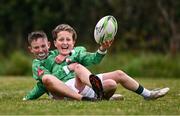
{"points": [[49, 44], [74, 42], [30, 49], [54, 43]]}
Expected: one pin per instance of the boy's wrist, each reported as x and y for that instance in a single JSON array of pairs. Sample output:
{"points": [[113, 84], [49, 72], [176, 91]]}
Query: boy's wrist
{"points": [[104, 51]]}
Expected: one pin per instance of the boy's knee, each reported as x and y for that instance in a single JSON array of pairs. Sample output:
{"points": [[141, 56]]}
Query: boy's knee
{"points": [[110, 84], [119, 72], [77, 66], [46, 79]]}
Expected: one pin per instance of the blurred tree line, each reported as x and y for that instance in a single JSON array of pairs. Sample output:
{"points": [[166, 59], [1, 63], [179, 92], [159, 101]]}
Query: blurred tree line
{"points": [[142, 24]]}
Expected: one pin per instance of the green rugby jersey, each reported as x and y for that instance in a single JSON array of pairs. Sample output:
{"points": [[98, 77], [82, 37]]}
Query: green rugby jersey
{"points": [[78, 55], [37, 91], [39, 68], [49, 66]]}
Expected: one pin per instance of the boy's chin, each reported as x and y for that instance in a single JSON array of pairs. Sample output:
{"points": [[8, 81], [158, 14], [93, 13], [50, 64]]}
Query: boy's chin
{"points": [[65, 53], [42, 58]]}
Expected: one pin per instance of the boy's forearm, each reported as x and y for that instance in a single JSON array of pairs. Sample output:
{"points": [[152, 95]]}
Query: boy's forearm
{"points": [[36, 92]]}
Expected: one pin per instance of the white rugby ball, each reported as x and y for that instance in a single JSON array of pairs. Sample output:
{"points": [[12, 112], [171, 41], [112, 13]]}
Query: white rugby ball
{"points": [[105, 29]]}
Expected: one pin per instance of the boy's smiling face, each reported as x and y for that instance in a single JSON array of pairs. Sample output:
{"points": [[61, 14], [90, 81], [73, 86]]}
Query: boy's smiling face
{"points": [[40, 48], [64, 42]]}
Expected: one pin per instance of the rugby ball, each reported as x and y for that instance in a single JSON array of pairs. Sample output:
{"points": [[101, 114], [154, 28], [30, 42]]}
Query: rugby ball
{"points": [[105, 29]]}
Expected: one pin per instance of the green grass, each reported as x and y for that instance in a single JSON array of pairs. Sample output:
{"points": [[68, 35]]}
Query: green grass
{"points": [[12, 89]]}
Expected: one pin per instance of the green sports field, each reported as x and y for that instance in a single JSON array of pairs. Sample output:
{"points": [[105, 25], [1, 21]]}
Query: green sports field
{"points": [[12, 89]]}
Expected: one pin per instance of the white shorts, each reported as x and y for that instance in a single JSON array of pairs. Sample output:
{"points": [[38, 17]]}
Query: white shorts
{"points": [[87, 91]]}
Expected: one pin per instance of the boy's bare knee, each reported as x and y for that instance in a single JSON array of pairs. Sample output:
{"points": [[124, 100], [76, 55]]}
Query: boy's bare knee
{"points": [[46, 79], [123, 77], [110, 84], [77, 66], [120, 72]]}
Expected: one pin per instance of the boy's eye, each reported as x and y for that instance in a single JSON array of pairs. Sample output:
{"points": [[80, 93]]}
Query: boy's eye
{"points": [[43, 46], [36, 47], [68, 39], [61, 39]]}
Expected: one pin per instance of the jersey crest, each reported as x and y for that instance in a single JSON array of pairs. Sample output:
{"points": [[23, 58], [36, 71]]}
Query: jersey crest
{"points": [[40, 72]]}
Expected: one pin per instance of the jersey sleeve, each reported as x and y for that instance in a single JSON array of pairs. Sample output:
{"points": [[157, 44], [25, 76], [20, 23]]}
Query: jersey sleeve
{"points": [[88, 58], [38, 90]]}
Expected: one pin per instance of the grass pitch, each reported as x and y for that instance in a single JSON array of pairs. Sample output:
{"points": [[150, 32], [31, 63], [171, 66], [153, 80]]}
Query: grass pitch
{"points": [[12, 90]]}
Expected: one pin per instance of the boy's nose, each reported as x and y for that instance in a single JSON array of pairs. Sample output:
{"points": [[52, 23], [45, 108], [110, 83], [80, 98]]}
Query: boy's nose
{"points": [[65, 42], [40, 49]]}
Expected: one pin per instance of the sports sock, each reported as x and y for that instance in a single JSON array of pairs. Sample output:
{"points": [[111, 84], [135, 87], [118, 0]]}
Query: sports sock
{"points": [[143, 91], [146, 93]]}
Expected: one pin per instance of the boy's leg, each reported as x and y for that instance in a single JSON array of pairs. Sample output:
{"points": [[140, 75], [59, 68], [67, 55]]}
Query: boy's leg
{"points": [[84, 77], [54, 85], [110, 87], [122, 78], [59, 89], [83, 74], [131, 84]]}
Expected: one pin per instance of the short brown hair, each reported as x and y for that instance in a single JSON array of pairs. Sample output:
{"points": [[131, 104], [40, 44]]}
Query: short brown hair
{"points": [[35, 35], [64, 27]]}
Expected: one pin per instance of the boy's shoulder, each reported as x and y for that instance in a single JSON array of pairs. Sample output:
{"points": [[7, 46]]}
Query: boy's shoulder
{"points": [[39, 62], [80, 48], [36, 61], [53, 52]]}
